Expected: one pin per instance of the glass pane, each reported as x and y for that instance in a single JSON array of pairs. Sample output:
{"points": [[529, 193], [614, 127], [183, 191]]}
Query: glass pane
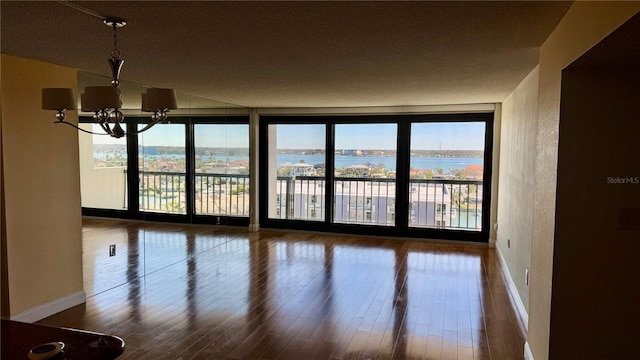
{"points": [[297, 159], [445, 189], [222, 169], [162, 167], [365, 169], [103, 169]]}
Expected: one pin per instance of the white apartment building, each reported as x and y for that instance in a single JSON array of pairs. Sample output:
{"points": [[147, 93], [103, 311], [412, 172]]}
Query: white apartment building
{"points": [[364, 202]]}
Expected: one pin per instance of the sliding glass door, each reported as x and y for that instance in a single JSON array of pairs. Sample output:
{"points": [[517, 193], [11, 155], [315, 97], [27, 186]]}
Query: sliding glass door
{"points": [[162, 167], [221, 169], [446, 175], [364, 186], [396, 175], [296, 172]]}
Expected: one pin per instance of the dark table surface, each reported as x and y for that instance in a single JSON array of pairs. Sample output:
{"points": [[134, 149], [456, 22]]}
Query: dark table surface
{"points": [[18, 338]]}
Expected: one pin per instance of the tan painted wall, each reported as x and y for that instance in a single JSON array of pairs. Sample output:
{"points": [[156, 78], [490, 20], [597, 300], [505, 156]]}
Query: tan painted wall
{"points": [[595, 291], [584, 25], [517, 166], [4, 280], [42, 188]]}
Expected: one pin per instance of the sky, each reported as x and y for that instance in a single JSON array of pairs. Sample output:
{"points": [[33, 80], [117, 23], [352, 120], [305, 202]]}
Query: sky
{"points": [[448, 136], [207, 135], [425, 136]]}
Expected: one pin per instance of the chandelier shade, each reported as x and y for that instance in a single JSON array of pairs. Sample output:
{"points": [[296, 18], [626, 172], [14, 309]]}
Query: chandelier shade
{"points": [[96, 98], [159, 99], [58, 99]]}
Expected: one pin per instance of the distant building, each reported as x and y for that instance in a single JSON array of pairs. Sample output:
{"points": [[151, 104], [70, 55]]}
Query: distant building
{"points": [[303, 169], [351, 152], [364, 202]]}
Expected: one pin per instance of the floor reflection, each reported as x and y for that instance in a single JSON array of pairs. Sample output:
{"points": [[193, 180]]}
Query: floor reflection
{"points": [[400, 305], [194, 292], [133, 274], [192, 278], [259, 280]]}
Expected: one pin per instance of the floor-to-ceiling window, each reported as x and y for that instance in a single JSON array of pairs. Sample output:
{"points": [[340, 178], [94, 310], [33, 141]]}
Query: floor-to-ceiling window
{"points": [[194, 169], [364, 186], [446, 172], [402, 175], [296, 172], [399, 175], [221, 169], [162, 169]]}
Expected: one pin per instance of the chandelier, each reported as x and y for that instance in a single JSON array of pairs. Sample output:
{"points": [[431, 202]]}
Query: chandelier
{"points": [[104, 101]]}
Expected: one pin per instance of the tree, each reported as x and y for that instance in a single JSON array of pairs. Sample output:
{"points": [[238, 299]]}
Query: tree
{"points": [[285, 171]]}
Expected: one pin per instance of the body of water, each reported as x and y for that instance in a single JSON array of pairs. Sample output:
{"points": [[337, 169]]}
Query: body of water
{"points": [[341, 161], [389, 162]]}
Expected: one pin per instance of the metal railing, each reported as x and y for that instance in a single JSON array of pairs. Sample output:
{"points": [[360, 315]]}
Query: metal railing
{"points": [[216, 194], [364, 200], [222, 194], [300, 198], [162, 192], [446, 204], [433, 203]]}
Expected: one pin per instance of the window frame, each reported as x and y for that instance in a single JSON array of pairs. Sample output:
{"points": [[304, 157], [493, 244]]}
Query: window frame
{"points": [[403, 186], [133, 211]]}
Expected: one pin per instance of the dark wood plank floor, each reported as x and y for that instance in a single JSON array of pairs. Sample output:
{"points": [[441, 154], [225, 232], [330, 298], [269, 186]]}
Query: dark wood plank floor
{"points": [[202, 292]]}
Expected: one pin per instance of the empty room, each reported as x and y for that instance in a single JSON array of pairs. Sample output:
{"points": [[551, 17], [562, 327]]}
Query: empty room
{"points": [[320, 180]]}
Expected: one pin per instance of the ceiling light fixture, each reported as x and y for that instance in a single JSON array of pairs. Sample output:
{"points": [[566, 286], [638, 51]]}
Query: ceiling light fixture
{"points": [[104, 101]]}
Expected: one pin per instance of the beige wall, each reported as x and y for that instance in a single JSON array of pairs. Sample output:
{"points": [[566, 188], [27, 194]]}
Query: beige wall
{"points": [[517, 165], [595, 290], [41, 188], [4, 280], [584, 25]]}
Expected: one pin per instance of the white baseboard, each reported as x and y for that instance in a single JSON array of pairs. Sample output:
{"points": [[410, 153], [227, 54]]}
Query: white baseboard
{"points": [[522, 311], [45, 310], [527, 351]]}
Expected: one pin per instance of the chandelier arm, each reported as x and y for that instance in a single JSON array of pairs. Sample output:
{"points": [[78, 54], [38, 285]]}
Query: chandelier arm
{"points": [[79, 128], [105, 127]]}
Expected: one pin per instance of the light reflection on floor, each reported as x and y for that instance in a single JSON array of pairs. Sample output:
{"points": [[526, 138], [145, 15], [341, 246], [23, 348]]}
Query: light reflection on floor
{"points": [[189, 291]]}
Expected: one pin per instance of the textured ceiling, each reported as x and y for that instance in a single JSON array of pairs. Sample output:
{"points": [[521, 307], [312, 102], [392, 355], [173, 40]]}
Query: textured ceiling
{"points": [[297, 54]]}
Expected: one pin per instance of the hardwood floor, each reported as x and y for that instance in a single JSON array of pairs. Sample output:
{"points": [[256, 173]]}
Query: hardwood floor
{"points": [[201, 292]]}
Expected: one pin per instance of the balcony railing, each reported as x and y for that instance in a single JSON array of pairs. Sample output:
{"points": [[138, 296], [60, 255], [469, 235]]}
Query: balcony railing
{"points": [[222, 194], [433, 203], [216, 194], [300, 198], [162, 192], [446, 204]]}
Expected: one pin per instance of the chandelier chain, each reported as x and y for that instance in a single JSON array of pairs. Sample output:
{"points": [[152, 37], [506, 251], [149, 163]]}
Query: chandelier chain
{"points": [[115, 53]]}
